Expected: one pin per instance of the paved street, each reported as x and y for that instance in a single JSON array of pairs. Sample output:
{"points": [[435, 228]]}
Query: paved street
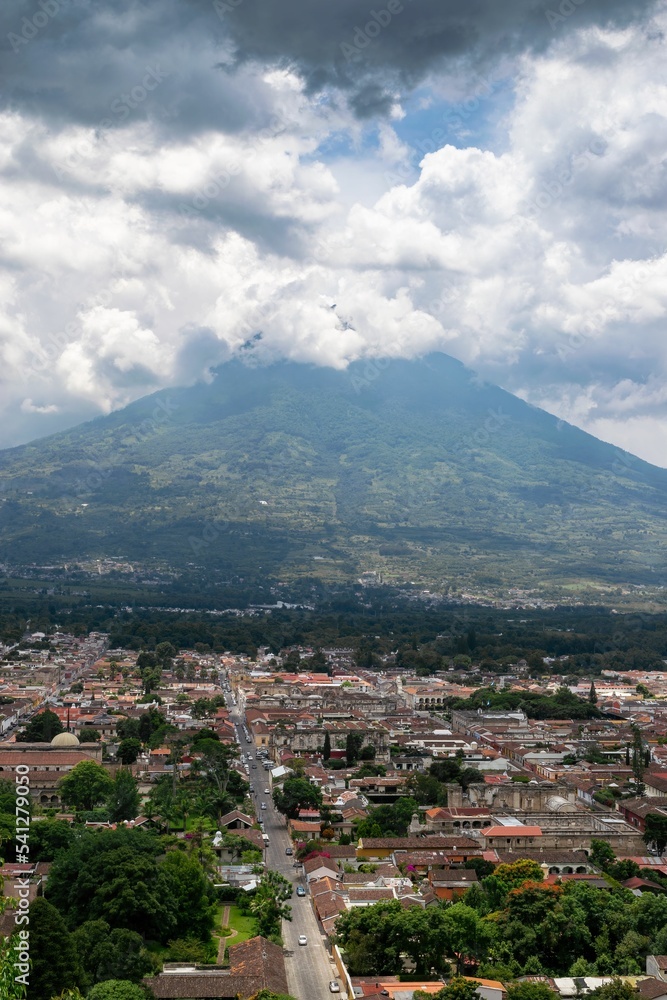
{"points": [[309, 969]]}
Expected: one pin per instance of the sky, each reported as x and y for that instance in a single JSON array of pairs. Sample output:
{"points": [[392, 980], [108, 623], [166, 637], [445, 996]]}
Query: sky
{"points": [[350, 180]]}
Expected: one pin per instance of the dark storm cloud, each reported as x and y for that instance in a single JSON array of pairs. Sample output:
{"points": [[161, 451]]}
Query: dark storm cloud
{"points": [[403, 39], [110, 63], [71, 59]]}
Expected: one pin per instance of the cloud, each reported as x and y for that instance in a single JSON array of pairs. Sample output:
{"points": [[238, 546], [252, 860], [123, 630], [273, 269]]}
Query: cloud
{"points": [[176, 182], [27, 406], [71, 61]]}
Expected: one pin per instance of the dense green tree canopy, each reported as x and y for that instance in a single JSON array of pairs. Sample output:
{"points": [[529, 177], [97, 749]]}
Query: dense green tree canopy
{"points": [[89, 736], [127, 729], [457, 989], [112, 875], [128, 750], [655, 831], [86, 785], [269, 906], [48, 836], [110, 954], [41, 728], [10, 988], [116, 989], [123, 800], [375, 937], [55, 964], [191, 896], [296, 794]]}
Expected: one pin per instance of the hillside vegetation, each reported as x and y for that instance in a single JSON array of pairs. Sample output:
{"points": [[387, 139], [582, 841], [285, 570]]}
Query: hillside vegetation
{"points": [[415, 470]]}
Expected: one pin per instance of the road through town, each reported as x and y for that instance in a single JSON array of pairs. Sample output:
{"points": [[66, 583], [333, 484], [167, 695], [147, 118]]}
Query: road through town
{"points": [[309, 968]]}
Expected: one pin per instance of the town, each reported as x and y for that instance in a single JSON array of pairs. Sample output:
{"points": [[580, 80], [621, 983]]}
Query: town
{"points": [[209, 824]]}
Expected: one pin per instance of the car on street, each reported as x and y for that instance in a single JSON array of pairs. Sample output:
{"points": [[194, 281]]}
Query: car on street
{"points": [[303, 939], [288, 850], [334, 987], [263, 806], [300, 891], [267, 791]]}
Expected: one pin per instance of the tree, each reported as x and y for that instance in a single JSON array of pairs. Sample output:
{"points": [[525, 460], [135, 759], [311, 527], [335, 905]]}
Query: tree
{"points": [[129, 750], [86, 785], [353, 743], [54, 960], [165, 651], [516, 873], [529, 991], [370, 771], [128, 729], [447, 770], [182, 881], [112, 875], [470, 776], [388, 820], [90, 736], [638, 764], [48, 836], [468, 934], [150, 722], [41, 728], [326, 751], [655, 831], [376, 937], [481, 867], [615, 990], [268, 906], [116, 989], [162, 800], [457, 989], [370, 937], [601, 854], [202, 736], [643, 691], [296, 794], [212, 763], [10, 987], [426, 790], [425, 934], [202, 707], [147, 660], [123, 801], [592, 694], [110, 954]]}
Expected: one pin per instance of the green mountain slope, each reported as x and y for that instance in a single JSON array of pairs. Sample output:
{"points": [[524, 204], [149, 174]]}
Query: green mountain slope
{"points": [[414, 469]]}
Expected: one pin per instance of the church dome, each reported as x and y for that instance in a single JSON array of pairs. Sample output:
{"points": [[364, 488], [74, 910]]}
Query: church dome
{"points": [[65, 740]]}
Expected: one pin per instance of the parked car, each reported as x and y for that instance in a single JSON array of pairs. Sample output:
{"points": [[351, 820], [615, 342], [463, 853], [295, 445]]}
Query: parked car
{"points": [[303, 939], [300, 891], [288, 850], [334, 987]]}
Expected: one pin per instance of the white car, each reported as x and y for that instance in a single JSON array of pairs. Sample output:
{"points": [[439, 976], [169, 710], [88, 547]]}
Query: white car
{"points": [[334, 987], [267, 791], [303, 939]]}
